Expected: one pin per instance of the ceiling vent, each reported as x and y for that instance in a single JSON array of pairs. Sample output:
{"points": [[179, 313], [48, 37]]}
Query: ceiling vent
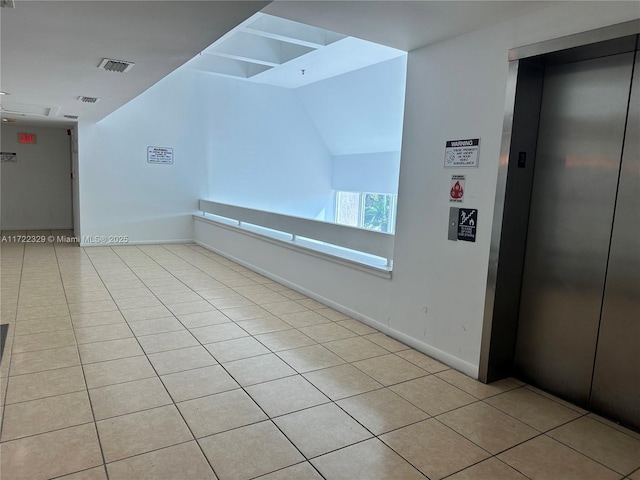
{"points": [[119, 66], [71, 117], [89, 99], [7, 4]]}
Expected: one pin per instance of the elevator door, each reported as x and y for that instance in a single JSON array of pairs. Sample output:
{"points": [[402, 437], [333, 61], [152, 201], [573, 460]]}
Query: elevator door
{"points": [[574, 200]]}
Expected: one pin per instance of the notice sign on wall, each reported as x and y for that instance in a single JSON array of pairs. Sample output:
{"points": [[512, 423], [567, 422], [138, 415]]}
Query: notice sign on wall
{"points": [[8, 157], [456, 191], [467, 224], [461, 153], [161, 155]]}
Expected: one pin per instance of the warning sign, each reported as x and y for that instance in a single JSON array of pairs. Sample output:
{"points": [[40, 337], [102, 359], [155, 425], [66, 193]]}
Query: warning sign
{"points": [[456, 191], [162, 155], [467, 224], [461, 153]]}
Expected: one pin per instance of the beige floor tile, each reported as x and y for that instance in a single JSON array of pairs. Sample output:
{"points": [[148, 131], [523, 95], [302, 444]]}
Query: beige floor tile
{"points": [[230, 301], [382, 410], [223, 292], [355, 348], [428, 446], [220, 412], [41, 360], [295, 472], [161, 342], [342, 381], [109, 350], [142, 432], [487, 427], [433, 395], [423, 361], [635, 475], [332, 314], [117, 371], [96, 319], [122, 293], [83, 296], [35, 313], [390, 369], [173, 298], [386, 342], [307, 359], [304, 319], [51, 454], [157, 325], [236, 349], [45, 415], [191, 307], [249, 451], [43, 301], [327, 332], [559, 400], [264, 325], [286, 395], [146, 313], [102, 333], [97, 473], [535, 410], [369, 460], [51, 324], [184, 462], [321, 429], [546, 459], [32, 386], [129, 397], [92, 307], [311, 304], [245, 313], [612, 448], [218, 333], [287, 306], [199, 382], [285, 340], [474, 387], [203, 319], [137, 302], [263, 368], [41, 341], [291, 294], [614, 425], [490, 469], [180, 360]]}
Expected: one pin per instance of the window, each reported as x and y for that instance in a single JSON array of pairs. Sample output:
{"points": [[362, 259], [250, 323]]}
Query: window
{"points": [[373, 211]]}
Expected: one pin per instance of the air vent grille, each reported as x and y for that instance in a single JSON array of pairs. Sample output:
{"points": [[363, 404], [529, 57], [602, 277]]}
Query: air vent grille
{"points": [[89, 99], [71, 117], [119, 66]]}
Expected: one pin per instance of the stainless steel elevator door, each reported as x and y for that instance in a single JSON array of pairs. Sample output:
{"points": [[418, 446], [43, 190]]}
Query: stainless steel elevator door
{"points": [[616, 380], [580, 138]]}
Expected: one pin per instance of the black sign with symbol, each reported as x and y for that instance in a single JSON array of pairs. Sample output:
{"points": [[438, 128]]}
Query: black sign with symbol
{"points": [[522, 159], [467, 223]]}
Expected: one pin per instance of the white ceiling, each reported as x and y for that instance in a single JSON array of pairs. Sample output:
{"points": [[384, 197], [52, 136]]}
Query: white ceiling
{"points": [[50, 49]]}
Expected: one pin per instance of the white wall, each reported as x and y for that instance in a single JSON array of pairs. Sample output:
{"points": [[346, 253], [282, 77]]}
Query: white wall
{"points": [[366, 172], [265, 152], [122, 194], [455, 89], [360, 111], [36, 191]]}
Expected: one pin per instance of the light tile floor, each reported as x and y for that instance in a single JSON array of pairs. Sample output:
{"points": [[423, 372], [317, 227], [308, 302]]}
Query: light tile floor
{"points": [[172, 362]]}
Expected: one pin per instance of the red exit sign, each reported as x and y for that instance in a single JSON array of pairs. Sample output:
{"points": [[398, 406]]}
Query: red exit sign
{"points": [[26, 138]]}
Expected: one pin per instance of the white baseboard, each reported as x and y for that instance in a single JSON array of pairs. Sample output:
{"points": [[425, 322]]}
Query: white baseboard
{"points": [[137, 242]]}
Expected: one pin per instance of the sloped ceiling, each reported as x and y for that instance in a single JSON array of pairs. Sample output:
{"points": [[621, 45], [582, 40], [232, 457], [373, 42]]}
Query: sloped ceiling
{"points": [[50, 50]]}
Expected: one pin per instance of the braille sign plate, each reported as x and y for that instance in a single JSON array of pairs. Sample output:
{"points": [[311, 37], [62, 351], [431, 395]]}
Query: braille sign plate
{"points": [[467, 224], [461, 153], [162, 155]]}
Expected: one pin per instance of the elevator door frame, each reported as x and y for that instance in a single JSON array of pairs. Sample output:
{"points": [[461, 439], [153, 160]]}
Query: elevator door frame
{"points": [[514, 184]]}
